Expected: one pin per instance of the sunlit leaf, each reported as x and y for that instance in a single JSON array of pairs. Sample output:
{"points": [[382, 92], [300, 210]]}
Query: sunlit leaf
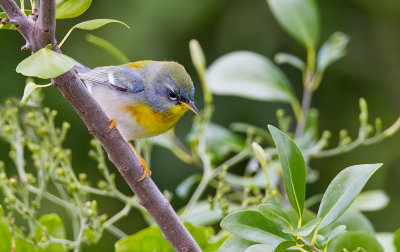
{"points": [[71, 8], [253, 226], [29, 88], [332, 50], [235, 244], [386, 241], [91, 25], [293, 168], [55, 227], [353, 220], [299, 18], [45, 64], [396, 240], [275, 214], [353, 241], [249, 75], [108, 47], [371, 201], [343, 190]]}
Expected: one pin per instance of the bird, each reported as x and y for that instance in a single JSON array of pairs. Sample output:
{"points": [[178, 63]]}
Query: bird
{"points": [[142, 99]]}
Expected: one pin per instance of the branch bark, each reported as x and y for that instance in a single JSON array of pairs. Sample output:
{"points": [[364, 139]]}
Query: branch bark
{"points": [[38, 35]]}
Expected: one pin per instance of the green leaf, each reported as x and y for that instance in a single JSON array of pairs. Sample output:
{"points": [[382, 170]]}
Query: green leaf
{"points": [[202, 214], [91, 25], [253, 226], [251, 129], [96, 23], [299, 18], [353, 241], [71, 8], [262, 247], [55, 227], [304, 230], [5, 234], [386, 241], [353, 220], [275, 214], [45, 64], [235, 244], [183, 189], [287, 58], [293, 168], [371, 201], [10, 26], [336, 231], [221, 141], [343, 190], [108, 47], [396, 240], [283, 246], [149, 239], [249, 75], [29, 88], [332, 50]]}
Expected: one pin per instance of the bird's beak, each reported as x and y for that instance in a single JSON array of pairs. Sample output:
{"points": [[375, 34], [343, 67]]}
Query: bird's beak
{"points": [[190, 105]]}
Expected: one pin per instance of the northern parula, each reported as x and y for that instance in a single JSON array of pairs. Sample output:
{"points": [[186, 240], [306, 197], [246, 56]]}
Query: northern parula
{"points": [[143, 99]]}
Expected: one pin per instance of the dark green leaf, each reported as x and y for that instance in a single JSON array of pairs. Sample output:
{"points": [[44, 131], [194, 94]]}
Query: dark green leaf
{"points": [[343, 190], [275, 214], [332, 50], [183, 189], [248, 75], [55, 227], [253, 226], [45, 64], [235, 244], [299, 18], [396, 240], [283, 246], [108, 47], [71, 8], [353, 241], [293, 168], [304, 230]]}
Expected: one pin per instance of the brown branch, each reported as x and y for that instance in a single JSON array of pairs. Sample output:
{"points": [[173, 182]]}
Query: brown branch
{"points": [[97, 123], [21, 22]]}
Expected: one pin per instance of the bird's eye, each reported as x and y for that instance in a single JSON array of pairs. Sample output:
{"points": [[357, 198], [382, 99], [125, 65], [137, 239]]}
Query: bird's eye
{"points": [[172, 95]]}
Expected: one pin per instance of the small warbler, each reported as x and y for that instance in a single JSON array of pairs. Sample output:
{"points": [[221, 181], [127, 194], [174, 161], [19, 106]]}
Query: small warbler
{"points": [[142, 99]]}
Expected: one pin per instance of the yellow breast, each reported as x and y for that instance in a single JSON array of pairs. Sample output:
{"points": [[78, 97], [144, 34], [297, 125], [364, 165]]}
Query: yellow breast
{"points": [[153, 121]]}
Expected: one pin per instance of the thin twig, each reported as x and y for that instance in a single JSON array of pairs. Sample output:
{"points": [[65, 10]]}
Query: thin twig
{"points": [[309, 245]]}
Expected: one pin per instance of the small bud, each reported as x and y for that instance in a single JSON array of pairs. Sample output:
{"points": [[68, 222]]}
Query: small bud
{"points": [[82, 176], [197, 55], [378, 125]]}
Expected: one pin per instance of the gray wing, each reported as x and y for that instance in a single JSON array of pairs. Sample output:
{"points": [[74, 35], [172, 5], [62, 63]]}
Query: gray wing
{"points": [[121, 78]]}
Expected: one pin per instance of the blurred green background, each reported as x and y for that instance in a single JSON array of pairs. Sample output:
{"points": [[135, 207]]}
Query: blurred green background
{"points": [[161, 30]]}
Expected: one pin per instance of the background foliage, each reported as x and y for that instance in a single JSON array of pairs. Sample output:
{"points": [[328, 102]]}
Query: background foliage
{"points": [[162, 29]]}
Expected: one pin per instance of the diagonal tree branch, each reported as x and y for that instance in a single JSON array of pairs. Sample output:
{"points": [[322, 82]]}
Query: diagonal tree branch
{"points": [[41, 34]]}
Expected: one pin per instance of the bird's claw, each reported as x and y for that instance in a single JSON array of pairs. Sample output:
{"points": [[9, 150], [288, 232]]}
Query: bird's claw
{"points": [[113, 124]]}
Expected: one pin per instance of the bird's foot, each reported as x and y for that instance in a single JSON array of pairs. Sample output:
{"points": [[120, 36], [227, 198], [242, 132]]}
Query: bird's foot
{"points": [[113, 124], [142, 162]]}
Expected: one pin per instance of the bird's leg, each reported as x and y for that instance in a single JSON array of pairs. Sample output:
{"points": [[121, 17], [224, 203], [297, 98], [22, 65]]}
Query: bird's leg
{"points": [[142, 162], [113, 124]]}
